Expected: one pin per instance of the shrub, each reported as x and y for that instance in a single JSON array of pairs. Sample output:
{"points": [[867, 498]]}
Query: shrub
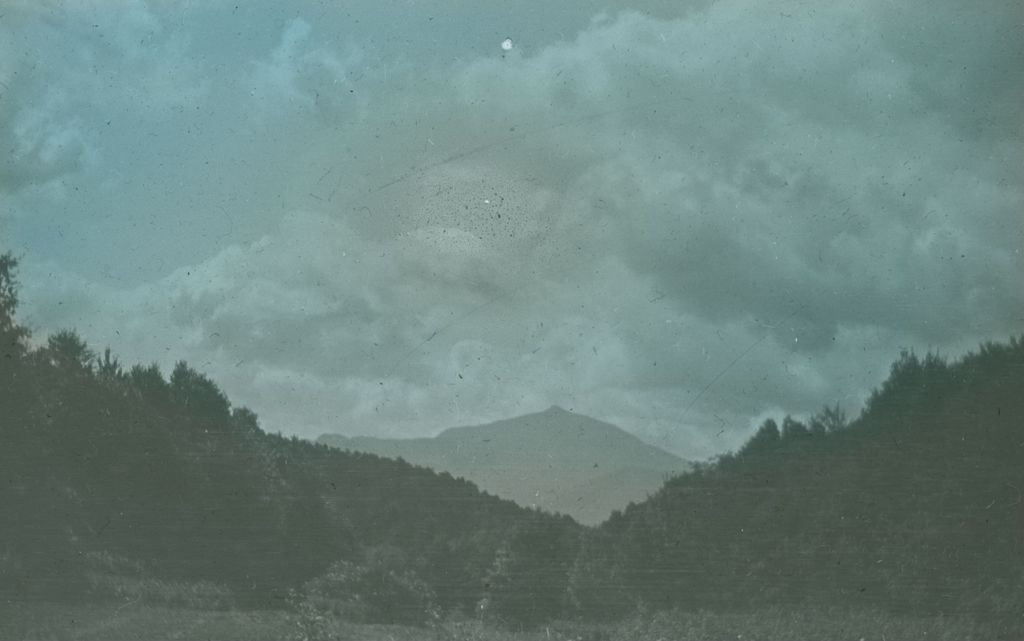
{"points": [[381, 589]]}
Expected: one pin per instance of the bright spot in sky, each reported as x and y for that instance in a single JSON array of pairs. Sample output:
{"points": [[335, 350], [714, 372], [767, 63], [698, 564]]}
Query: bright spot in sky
{"points": [[506, 44]]}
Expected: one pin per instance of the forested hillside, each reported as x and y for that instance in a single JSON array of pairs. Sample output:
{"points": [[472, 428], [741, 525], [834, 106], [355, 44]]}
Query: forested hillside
{"points": [[115, 475], [121, 485], [915, 506]]}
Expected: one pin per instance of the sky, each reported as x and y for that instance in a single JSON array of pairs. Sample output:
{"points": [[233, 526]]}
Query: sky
{"points": [[371, 218]]}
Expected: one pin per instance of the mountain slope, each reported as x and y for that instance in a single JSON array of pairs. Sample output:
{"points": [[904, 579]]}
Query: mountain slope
{"points": [[915, 507], [556, 460], [123, 484]]}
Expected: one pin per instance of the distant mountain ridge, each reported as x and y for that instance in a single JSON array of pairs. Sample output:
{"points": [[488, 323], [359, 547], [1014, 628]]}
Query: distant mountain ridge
{"points": [[556, 460]]}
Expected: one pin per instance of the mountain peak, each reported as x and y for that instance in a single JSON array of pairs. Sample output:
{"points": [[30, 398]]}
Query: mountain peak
{"points": [[555, 410], [555, 459]]}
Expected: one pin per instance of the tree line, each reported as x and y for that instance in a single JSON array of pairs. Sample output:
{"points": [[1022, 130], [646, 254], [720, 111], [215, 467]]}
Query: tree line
{"points": [[100, 459], [914, 505]]}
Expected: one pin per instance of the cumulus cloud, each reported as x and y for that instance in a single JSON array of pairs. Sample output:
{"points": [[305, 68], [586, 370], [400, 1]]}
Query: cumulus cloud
{"points": [[680, 221], [766, 187]]}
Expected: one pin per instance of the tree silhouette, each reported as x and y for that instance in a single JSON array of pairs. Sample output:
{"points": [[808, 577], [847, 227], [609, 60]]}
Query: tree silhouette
{"points": [[149, 383], [829, 419], [108, 368], [66, 350], [165, 475], [12, 337], [245, 421], [793, 429], [914, 505], [766, 438], [200, 396]]}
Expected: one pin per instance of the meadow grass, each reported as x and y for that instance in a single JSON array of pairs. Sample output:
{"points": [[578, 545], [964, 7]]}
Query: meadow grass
{"points": [[41, 621], [136, 621]]}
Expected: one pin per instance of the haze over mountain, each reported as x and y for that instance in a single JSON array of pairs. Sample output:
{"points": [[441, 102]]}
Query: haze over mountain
{"points": [[556, 460]]}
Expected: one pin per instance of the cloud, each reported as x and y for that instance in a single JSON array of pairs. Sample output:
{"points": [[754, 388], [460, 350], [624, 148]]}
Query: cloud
{"points": [[301, 75], [39, 149], [771, 189], [315, 329], [679, 221], [55, 98]]}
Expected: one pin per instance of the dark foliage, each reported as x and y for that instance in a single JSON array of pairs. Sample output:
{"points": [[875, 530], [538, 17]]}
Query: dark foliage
{"points": [[12, 336], [97, 460], [916, 506], [527, 582]]}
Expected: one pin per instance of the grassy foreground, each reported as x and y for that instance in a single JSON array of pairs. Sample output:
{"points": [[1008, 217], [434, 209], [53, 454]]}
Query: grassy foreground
{"points": [[134, 621]]}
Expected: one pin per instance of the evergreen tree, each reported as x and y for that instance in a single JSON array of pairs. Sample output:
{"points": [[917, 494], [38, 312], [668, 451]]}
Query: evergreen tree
{"points": [[108, 368], [66, 350], [793, 429], [200, 396], [766, 438], [829, 419], [13, 338]]}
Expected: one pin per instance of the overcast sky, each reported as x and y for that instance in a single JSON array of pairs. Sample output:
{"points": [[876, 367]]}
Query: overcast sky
{"points": [[368, 217]]}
